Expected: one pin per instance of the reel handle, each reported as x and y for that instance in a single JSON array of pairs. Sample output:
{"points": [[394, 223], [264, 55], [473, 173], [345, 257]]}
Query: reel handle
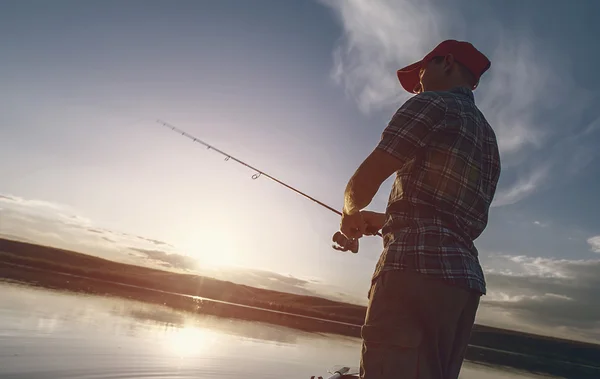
{"points": [[345, 244]]}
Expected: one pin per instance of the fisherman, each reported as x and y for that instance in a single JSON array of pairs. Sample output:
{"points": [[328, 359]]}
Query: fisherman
{"points": [[427, 284]]}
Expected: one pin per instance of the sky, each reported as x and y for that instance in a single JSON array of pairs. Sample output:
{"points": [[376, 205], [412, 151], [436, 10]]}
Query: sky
{"points": [[301, 90]]}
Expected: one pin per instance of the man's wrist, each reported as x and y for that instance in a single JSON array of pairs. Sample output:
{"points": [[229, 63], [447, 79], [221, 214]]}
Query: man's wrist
{"points": [[349, 211]]}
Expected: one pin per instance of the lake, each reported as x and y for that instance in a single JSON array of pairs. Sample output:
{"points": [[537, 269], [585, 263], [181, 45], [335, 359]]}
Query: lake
{"points": [[52, 334]]}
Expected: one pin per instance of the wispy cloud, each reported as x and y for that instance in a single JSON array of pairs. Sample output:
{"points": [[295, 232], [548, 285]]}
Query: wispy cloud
{"points": [[59, 225], [523, 187], [381, 36], [178, 261], [593, 127], [594, 243], [42, 208], [536, 294], [40, 204]]}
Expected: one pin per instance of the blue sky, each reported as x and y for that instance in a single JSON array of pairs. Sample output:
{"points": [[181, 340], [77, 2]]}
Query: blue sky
{"points": [[301, 90]]}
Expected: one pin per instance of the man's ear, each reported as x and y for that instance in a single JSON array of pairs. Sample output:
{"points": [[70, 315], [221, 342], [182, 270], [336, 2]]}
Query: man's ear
{"points": [[448, 62]]}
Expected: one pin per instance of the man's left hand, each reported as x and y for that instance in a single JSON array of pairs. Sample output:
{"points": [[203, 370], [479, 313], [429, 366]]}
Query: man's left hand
{"points": [[353, 225]]}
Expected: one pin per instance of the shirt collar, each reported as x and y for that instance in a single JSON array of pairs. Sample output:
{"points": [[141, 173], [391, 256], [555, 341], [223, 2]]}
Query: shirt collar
{"points": [[463, 91]]}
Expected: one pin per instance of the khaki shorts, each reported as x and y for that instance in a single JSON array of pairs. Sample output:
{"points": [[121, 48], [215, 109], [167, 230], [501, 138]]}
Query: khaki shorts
{"points": [[416, 327]]}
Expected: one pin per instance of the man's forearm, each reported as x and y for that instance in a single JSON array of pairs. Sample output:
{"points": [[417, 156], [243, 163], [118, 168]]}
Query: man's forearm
{"points": [[367, 179], [359, 193]]}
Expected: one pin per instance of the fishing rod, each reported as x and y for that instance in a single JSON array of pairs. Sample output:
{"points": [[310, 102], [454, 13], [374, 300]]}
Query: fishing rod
{"points": [[344, 244]]}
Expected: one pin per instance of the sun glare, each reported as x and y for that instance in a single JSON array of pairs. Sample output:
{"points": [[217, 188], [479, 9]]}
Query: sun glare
{"points": [[213, 250], [190, 341]]}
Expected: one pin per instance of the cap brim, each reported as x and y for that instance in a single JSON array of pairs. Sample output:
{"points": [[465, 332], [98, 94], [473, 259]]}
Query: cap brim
{"points": [[409, 76]]}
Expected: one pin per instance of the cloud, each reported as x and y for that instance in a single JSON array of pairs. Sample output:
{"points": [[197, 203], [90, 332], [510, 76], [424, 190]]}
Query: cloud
{"points": [[61, 226], [545, 295], [594, 243], [42, 213], [156, 242], [382, 36], [31, 203], [379, 37], [44, 209], [174, 260], [511, 101], [593, 127], [521, 188]]}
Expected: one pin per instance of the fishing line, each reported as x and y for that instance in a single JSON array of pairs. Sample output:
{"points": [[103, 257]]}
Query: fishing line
{"points": [[338, 237]]}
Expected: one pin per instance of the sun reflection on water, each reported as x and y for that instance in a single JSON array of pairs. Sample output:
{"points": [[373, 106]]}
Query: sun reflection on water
{"points": [[190, 341]]}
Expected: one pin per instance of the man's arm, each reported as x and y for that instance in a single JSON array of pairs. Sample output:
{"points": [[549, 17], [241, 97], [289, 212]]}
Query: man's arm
{"points": [[367, 179], [409, 130]]}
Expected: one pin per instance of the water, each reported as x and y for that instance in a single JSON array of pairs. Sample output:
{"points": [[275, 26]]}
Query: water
{"points": [[50, 334]]}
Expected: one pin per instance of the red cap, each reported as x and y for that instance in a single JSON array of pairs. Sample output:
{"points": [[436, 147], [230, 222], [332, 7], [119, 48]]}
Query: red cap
{"points": [[463, 52]]}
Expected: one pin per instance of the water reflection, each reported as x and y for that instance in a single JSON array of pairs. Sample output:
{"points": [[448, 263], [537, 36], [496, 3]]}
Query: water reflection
{"points": [[49, 334], [167, 319]]}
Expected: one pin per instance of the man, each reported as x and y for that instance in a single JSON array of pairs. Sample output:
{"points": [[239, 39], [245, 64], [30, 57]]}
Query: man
{"points": [[427, 284]]}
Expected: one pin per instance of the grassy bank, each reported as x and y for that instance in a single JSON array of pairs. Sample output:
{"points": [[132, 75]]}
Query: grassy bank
{"points": [[72, 271]]}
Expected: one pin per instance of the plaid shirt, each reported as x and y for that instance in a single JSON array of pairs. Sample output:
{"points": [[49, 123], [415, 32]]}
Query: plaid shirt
{"points": [[440, 199]]}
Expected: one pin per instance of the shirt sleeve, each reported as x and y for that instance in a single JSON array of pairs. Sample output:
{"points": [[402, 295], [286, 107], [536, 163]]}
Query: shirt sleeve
{"points": [[412, 125]]}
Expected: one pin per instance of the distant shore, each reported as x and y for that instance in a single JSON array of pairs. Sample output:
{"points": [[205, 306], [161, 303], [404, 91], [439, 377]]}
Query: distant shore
{"points": [[71, 271]]}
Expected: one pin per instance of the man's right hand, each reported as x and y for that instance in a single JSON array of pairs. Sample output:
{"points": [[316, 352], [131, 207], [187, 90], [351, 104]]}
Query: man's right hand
{"points": [[374, 220]]}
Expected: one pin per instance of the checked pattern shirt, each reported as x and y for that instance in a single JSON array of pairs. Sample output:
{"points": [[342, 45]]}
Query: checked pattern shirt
{"points": [[440, 198]]}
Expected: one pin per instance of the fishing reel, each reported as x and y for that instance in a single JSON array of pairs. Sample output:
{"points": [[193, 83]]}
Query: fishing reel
{"points": [[343, 243], [341, 372]]}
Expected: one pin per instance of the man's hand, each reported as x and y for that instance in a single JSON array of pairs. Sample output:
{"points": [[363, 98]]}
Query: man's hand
{"points": [[353, 225], [374, 220]]}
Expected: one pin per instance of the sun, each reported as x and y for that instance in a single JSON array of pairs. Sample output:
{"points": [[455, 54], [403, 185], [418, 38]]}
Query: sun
{"points": [[214, 250]]}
